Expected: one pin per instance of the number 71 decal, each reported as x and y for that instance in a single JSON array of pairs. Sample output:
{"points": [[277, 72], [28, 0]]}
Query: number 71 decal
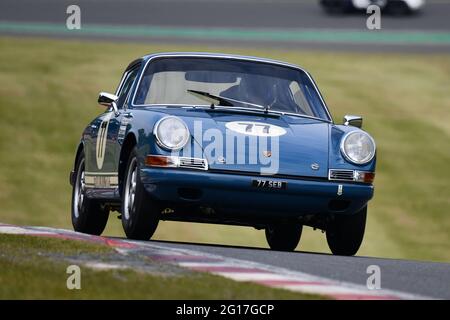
{"points": [[256, 128]]}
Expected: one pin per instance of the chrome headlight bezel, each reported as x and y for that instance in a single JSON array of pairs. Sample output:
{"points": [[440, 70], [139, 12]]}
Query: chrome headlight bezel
{"points": [[160, 141], [356, 161]]}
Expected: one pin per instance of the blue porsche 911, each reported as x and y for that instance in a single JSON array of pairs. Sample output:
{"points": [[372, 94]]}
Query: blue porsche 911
{"points": [[224, 139]]}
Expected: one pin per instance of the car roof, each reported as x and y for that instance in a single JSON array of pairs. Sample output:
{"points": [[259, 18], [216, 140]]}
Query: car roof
{"points": [[219, 55]]}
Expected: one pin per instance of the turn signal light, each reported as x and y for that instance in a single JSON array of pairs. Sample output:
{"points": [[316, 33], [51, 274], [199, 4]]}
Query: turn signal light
{"points": [[364, 176], [161, 161]]}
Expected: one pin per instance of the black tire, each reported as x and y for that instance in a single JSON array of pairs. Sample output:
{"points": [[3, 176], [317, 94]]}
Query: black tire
{"points": [[140, 214], [283, 236], [346, 233], [88, 215]]}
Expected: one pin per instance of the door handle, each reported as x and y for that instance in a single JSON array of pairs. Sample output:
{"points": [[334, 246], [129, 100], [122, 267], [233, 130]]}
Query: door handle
{"points": [[128, 115]]}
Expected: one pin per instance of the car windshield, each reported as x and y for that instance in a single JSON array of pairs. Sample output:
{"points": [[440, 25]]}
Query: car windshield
{"points": [[236, 83]]}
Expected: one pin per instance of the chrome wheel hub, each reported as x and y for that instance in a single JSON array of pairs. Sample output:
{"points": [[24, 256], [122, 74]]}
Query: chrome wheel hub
{"points": [[130, 190], [80, 190]]}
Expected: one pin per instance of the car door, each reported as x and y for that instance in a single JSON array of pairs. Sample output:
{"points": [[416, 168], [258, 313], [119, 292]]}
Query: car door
{"points": [[118, 123], [104, 148]]}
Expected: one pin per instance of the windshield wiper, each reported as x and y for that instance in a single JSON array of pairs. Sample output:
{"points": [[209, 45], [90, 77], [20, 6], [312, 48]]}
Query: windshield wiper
{"points": [[213, 99], [218, 100]]}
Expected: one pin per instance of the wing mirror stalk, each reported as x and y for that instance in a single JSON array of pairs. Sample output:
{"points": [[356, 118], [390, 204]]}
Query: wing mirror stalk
{"points": [[355, 121], [109, 100]]}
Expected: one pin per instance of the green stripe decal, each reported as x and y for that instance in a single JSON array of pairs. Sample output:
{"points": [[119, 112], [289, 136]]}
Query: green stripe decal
{"points": [[241, 34]]}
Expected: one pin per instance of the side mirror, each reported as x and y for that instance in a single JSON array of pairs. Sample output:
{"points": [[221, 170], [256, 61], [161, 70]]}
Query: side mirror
{"points": [[108, 100], [355, 121]]}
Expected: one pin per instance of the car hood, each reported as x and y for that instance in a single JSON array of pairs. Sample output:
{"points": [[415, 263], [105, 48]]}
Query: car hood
{"points": [[259, 143]]}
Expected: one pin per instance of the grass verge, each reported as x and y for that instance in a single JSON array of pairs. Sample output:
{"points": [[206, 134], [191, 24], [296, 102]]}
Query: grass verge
{"points": [[27, 271]]}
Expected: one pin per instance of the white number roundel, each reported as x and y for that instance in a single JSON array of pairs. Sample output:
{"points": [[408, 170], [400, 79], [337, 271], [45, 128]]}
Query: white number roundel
{"points": [[102, 137], [256, 128]]}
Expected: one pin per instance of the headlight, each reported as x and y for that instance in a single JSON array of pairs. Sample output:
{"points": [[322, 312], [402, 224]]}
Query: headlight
{"points": [[358, 147], [171, 133]]}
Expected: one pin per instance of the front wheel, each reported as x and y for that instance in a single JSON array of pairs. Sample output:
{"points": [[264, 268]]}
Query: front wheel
{"points": [[140, 214], [346, 233], [88, 215], [283, 236]]}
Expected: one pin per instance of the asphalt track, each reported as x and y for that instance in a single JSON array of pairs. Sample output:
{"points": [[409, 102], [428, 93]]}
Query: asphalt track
{"points": [[283, 23], [415, 277]]}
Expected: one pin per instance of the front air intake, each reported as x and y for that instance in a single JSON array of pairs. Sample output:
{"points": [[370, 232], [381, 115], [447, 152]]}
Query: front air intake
{"points": [[193, 163], [341, 175]]}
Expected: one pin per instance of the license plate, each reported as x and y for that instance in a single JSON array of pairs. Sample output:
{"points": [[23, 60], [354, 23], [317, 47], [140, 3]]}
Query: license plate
{"points": [[269, 184]]}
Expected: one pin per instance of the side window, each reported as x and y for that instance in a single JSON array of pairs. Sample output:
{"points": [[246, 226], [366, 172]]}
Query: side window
{"points": [[127, 83], [300, 99]]}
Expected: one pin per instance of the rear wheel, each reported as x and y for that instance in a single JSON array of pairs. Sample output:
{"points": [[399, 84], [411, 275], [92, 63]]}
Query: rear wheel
{"points": [[88, 215], [283, 236], [140, 214], [346, 233]]}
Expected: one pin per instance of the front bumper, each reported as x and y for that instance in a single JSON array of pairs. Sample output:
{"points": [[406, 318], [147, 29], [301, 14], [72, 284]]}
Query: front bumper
{"points": [[234, 192]]}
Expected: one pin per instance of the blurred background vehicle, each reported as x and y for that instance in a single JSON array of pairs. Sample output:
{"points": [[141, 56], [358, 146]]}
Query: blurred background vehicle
{"points": [[393, 7]]}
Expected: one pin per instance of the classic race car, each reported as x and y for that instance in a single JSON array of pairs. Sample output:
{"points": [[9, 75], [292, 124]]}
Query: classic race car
{"points": [[395, 7], [223, 139]]}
